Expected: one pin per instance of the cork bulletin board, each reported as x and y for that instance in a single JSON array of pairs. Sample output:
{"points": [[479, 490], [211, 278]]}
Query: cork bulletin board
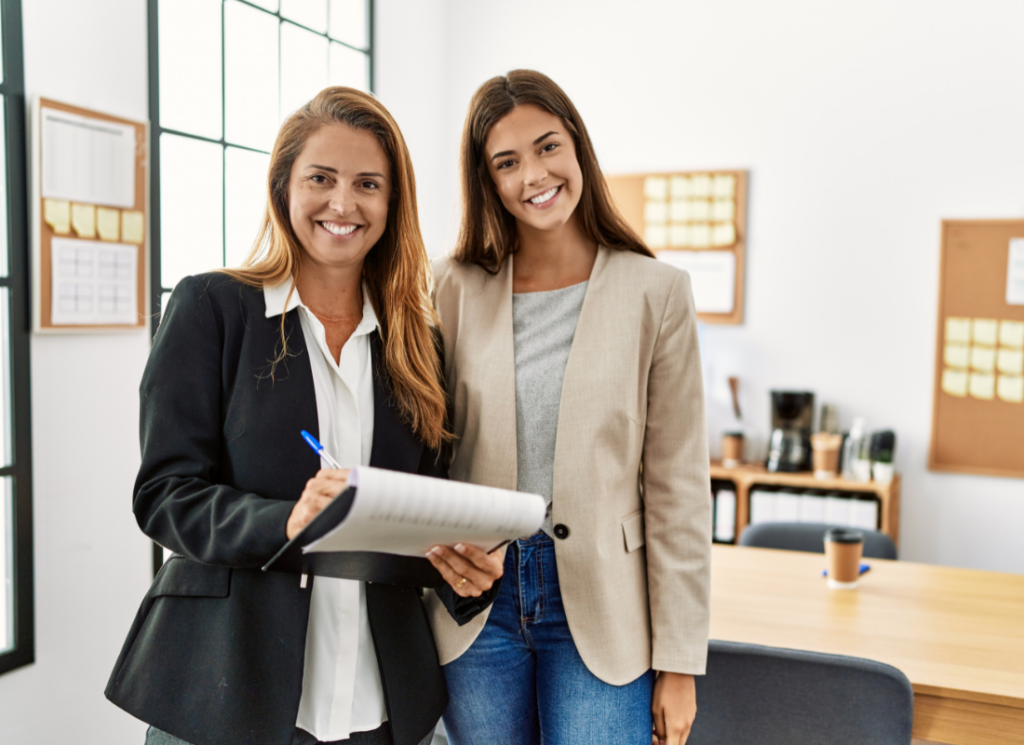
{"points": [[696, 220], [978, 408], [89, 220]]}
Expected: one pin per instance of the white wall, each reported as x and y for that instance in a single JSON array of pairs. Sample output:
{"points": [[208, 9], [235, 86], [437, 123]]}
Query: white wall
{"points": [[92, 564], [863, 125]]}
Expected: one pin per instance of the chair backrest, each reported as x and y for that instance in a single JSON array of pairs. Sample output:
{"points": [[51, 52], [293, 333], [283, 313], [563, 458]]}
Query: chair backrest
{"points": [[771, 696], [810, 537]]}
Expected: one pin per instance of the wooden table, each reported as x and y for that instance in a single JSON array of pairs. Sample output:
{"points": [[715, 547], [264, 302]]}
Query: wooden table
{"points": [[957, 634]]}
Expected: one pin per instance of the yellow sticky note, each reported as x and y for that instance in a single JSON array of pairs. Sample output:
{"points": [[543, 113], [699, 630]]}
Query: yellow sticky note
{"points": [[724, 234], [954, 382], [958, 330], [680, 210], [656, 187], [655, 236], [700, 235], [983, 359], [957, 355], [700, 209], [1010, 362], [83, 220], [679, 236], [983, 386], [679, 187], [108, 224], [57, 214], [1011, 333], [724, 185], [723, 209], [984, 331], [132, 227], [1011, 388], [700, 185], [655, 212]]}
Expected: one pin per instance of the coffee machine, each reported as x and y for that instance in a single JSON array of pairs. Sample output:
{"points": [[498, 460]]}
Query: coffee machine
{"points": [[789, 448]]}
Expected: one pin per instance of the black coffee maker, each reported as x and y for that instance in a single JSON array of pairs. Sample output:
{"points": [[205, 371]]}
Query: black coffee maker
{"points": [[789, 449]]}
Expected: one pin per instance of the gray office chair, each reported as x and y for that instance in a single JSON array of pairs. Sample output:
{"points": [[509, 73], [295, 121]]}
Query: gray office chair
{"points": [[810, 537], [771, 696]]}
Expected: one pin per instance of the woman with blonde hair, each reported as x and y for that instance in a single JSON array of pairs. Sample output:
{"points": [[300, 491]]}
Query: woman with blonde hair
{"points": [[571, 355], [328, 328]]}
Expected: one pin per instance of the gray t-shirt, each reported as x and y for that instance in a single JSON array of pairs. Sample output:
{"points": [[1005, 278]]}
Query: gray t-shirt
{"points": [[543, 326]]}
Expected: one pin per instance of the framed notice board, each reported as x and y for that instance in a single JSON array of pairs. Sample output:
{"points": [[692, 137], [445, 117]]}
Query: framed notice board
{"points": [[696, 220], [978, 409], [89, 220]]}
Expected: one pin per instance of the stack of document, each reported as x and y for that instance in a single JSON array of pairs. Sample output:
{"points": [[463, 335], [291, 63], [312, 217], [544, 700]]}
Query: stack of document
{"points": [[791, 506]]}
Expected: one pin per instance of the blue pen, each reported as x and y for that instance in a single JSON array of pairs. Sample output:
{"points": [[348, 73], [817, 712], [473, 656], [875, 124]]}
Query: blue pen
{"points": [[319, 449], [863, 568]]}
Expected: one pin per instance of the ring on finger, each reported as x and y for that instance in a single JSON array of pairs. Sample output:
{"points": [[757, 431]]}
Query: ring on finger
{"points": [[462, 581]]}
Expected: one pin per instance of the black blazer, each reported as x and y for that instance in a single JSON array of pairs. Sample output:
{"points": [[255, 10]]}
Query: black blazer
{"points": [[215, 655]]}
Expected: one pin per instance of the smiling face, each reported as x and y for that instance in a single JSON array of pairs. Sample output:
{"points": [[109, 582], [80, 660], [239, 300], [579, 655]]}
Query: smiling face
{"points": [[532, 161], [338, 196]]}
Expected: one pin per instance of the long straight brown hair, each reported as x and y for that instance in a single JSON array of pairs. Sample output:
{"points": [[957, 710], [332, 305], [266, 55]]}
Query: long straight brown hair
{"points": [[488, 232], [396, 270]]}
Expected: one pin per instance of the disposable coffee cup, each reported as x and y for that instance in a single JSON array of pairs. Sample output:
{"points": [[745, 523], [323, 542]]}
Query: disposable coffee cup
{"points": [[732, 449], [843, 551], [825, 454]]}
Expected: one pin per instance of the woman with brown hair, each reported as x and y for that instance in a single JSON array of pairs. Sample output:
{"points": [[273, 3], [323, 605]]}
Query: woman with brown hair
{"points": [[328, 328], [571, 355]]}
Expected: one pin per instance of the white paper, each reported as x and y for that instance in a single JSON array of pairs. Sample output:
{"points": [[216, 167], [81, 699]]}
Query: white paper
{"points": [[1015, 273], [87, 160], [725, 515], [93, 283], [406, 514], [712, 275]]}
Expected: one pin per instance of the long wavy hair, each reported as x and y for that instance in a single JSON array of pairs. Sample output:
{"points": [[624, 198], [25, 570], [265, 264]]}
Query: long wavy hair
{"points": [[396, 270], [488, 232]]}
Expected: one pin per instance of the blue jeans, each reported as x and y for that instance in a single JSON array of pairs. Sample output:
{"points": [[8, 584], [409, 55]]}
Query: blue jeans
{"points": [[522, 682]]}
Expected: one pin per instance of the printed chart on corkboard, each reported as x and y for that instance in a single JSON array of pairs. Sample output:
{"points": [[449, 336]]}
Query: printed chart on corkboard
{"points": [[89, 218], [696, 220], [978, 411]]}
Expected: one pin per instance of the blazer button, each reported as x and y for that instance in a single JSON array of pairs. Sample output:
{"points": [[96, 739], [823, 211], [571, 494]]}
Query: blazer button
{"points": [[561, 531]]}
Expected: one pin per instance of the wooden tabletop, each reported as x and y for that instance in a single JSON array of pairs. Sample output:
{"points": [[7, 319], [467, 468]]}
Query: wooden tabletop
{"points": [[957, 634]]}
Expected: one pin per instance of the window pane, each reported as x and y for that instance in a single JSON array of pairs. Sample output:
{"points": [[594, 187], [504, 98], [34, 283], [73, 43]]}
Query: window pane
{"points": [[350, 22], [6, 565], [245, 192], [310, 13], [250, 54], [303, 67], [190, 76], [1, 51], [3, 192], [191, 207], [349, 67]]}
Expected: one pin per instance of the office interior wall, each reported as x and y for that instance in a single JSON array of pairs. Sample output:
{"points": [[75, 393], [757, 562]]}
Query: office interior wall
{"points": [[92, 565], [862, 125]]}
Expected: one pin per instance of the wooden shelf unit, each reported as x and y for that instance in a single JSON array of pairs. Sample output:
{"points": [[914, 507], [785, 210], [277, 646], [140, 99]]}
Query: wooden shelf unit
{"points": [[748, 475]]}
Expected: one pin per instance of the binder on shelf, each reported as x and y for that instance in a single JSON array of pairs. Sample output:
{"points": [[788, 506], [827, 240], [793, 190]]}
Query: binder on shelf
{"points": [[725, 516]]}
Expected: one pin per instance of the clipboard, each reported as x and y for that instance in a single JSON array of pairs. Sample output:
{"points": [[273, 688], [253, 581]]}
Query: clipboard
{"points": [[367, 566]]}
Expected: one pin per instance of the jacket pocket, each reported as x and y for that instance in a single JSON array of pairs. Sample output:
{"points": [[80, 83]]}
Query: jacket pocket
{"points": [[181, 577], [633, 531]]}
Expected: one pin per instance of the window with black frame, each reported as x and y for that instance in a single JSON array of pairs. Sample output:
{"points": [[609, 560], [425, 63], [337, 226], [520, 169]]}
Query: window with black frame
{"points": [[16, 603], [224, 74]]}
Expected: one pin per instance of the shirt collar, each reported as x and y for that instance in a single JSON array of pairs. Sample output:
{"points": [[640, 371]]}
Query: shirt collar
{"points": [[274, 297]]}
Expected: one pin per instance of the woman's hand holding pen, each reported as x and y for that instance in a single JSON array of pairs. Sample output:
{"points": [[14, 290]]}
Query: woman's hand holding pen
{"points": [[469, 570], [320, 490]]}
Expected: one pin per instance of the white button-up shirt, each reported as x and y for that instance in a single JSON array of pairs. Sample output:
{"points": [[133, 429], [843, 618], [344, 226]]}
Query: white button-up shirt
{"points": [[341, 686]]}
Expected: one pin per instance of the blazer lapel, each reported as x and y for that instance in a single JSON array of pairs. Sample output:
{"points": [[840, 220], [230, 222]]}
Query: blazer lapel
{"points": [[485, 404], [395, 447], [590, 344]]}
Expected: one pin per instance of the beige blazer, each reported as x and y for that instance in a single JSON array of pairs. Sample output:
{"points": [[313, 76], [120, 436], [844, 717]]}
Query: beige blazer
{"points": [[631, 479]]}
